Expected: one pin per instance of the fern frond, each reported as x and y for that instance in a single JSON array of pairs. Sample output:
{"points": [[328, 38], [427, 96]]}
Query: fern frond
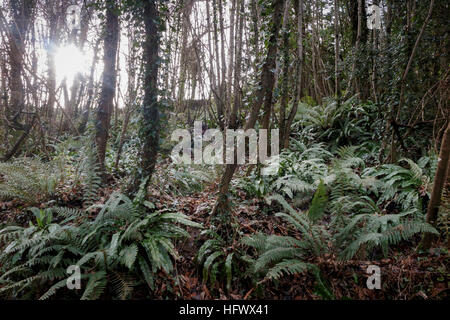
{"points": [[319, 203], [287, 267]]}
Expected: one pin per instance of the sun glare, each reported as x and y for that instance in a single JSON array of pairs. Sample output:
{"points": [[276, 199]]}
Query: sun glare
{"points": [[69, 62]]}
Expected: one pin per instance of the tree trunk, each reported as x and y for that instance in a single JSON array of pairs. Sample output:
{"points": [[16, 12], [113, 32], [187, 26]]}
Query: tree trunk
{"points": [[131, 93], [53, 43], [356, 52], [218, 92], [395, 116], [109, 82], [238, 67], [255, 33], [184, 56], [337, 89], [232, 41], [149, 131], [21, 12], [374, 60], [223, 84], [440, 179], [90, 92], [20, 141], [285, 74], [263, 96], [298, 94], [79, 80]]}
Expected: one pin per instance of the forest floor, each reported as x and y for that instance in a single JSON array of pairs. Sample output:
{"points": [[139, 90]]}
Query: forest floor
{"points": [[405, 273]]}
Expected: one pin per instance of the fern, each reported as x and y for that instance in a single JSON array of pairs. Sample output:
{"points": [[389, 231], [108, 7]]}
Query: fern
{"points": [[214, 258], [95, 286], [28, 180], [288, 267], [122, 284], [353, 121], [124, 243], [90, 176], [284, 255], [375, 230], [319, 203], [182, 180], [400, 184], [52, 291]]}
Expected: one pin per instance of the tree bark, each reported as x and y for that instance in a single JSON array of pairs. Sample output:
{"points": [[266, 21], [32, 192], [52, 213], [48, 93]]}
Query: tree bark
{"points": [[238, 66], [299, 88], [359, 29], [90, 93], [21, 11], [20, 141], [285, 72], [53, 42], [109, 82], [149, 131], [184, 56], [218, 91], [131, 93], [232, 49], [263, 96], [337, 88], [440, 179]]}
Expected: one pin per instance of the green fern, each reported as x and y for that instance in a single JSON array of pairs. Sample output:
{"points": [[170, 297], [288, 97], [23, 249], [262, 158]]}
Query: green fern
{"points": [[28, 180], [124, 243], [319, 203], [400, 184], [284, 255], [91, 178], [214, 258]]}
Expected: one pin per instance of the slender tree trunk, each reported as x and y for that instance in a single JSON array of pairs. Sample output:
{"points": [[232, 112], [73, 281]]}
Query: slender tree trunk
{"points": [[285, 73], [395, 116], [90, 93], [131, 93], [314, 70], [222, 52], [389, 41], [411, 58], [232, 41], [53, 43], [440, 179], [263, 96], [356, 52], [337, 88], [4, 95], [374, 60], [299, 87], [218, 94], [212, 76], [125, 123], [212, 57], [15, 149], [78, 81], [21, 12], [238, 67], [109, 82], [255, 33], [184, 57]]}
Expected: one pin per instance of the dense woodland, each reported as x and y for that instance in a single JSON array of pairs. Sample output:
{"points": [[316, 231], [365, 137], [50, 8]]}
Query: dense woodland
{"points": [[91, 92]]}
